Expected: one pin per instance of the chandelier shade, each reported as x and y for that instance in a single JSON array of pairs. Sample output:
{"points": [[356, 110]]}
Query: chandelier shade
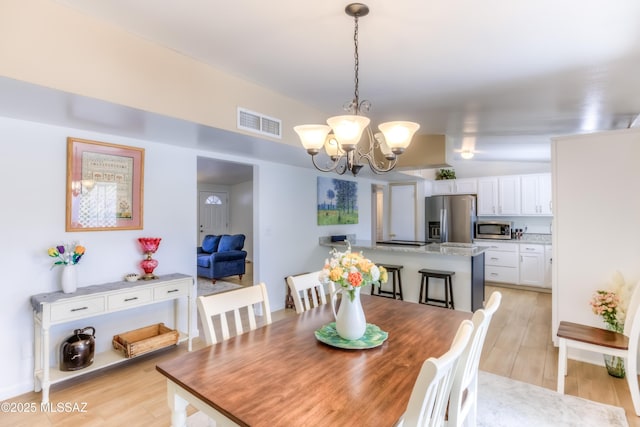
{"points": [[312, 137], [348, 130], [397, 135], [348, 141]]}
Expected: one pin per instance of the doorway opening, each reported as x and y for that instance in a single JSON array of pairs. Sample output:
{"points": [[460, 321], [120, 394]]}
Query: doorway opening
{"points": [[225, 200]]}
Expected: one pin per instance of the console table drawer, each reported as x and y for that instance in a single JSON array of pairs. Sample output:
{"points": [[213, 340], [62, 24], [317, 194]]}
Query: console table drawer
{"points": [[170, 291], [130, 299], [77, 309]]}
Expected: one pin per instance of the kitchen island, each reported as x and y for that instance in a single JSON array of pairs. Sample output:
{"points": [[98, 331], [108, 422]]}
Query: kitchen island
{"points": [[466, 260]]}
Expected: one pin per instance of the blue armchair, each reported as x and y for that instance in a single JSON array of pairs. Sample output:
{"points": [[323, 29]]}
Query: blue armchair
{"points": [[221, 256]]}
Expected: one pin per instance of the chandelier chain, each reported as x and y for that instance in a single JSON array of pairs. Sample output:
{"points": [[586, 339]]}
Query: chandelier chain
{"points": [[353, 142], [356, 94]]}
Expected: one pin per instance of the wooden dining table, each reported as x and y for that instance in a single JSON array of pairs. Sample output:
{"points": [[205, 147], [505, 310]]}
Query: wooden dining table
{"points": [[281, 375]]}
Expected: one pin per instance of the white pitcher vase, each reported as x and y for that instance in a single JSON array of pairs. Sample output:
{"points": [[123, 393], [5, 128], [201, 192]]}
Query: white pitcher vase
{"points": [[350, 321], [69, 279]]}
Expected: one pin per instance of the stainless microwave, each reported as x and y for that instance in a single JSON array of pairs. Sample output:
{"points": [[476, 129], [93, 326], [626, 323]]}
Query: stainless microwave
{"points": [[493, 230]]}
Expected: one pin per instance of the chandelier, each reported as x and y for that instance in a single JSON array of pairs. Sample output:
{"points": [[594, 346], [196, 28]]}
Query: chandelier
{"points": [[341, 139]]}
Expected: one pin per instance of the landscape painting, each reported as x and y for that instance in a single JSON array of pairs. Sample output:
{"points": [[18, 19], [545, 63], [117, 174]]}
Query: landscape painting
{"points": [[337, 201]]}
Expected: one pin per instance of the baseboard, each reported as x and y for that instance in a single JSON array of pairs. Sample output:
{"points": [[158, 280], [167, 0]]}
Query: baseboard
{"points": [[15, 390], [520, 287]]}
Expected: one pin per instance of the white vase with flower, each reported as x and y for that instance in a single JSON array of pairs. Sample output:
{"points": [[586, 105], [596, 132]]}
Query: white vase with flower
{"points": [[351, 271], [611, 305], [67, 256]]}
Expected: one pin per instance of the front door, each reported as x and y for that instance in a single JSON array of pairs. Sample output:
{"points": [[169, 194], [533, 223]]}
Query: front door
{"points": [[213, 213]]}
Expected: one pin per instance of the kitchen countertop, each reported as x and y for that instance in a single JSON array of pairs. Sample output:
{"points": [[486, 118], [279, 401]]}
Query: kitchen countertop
{"points": [[543, 239], [451, 249]]}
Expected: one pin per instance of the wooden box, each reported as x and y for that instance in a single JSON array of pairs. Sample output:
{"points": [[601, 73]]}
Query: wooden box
{"points": [[144, 340]]}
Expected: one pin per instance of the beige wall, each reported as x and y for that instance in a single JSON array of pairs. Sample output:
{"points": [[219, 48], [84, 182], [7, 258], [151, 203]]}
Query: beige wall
{"points": [[48, 44], [596, 219]]}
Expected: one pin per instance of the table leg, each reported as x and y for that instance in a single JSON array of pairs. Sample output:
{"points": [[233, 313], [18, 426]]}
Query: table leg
{"points": [[562, 365], [177, 405], [37, 353], [189, 318], [45, 365]]}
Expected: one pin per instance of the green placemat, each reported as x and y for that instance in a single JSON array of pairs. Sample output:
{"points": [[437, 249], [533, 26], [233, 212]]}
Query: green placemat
{"points": [[373, 337]]}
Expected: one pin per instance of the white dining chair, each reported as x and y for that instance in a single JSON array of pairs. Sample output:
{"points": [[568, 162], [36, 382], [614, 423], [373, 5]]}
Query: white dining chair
{"points": [[598, 340], [240, 302], [302, 285], [464, 392], [428, 401]]}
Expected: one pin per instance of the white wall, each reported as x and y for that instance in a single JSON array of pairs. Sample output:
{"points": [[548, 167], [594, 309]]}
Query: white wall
{"points": [[286, 225], [33, 173], [241, 201], [596, 219]]}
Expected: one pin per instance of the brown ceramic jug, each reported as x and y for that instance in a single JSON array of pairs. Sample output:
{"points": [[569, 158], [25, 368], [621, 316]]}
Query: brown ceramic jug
{"points": [[77, 351]]}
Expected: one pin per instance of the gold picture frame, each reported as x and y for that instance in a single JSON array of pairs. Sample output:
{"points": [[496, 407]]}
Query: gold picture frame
{"points": [[104, 186]]}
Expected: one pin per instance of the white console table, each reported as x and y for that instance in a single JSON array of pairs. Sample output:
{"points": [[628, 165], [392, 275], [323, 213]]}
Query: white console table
{"points": [[56, 308]]}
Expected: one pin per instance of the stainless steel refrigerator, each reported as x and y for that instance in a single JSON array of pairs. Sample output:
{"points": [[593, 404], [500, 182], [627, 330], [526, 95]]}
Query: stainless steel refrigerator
{"points": [[450, 218]]}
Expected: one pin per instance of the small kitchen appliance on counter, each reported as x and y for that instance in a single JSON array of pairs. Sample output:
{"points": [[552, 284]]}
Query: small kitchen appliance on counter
{"points": [[494, 230]]}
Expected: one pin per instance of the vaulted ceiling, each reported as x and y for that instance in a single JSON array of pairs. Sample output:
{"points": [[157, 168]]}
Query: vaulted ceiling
{"points": [[498, 77]]}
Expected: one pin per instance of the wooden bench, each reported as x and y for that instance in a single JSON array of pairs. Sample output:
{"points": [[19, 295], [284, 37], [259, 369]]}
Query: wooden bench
{"points": [[592, 335]]}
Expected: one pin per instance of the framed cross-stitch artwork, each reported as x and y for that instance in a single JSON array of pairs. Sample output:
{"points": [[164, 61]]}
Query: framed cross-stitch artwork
{"points": [[104, 186]]}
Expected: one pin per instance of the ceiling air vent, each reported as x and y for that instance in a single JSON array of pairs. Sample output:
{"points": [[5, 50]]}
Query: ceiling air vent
{"points": [[259, 123]]}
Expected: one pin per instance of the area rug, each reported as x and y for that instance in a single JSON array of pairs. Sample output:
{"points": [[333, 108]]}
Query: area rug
{"points": [[205, 287], [503, 402]]}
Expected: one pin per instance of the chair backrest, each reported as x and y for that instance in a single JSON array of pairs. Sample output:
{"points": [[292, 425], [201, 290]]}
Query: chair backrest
{"points": [[467, 370], [632, 323], [216, 306], [430, 395], [632, 310], [302, 285]]}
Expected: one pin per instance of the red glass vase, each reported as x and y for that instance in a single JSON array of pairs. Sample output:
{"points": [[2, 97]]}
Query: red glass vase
{"points": [[149, 247], [148, 265], [149, 244]]}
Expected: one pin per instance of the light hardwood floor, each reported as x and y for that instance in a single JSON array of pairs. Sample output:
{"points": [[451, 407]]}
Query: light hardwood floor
{"points": [[518, 346]]}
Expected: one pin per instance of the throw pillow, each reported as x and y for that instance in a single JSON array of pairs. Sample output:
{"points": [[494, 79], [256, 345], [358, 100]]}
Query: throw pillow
{"points": [[210, 243], [231, 243]]}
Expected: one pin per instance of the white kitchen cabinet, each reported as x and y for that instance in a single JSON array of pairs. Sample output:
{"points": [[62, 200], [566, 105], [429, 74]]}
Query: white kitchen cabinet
{"points": [[499, 195], [547, 265], [536, 194], [532, 265], [443, 186], [466, 186], [509, 195], [501, 262], [455, 186], [487, 203]]}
